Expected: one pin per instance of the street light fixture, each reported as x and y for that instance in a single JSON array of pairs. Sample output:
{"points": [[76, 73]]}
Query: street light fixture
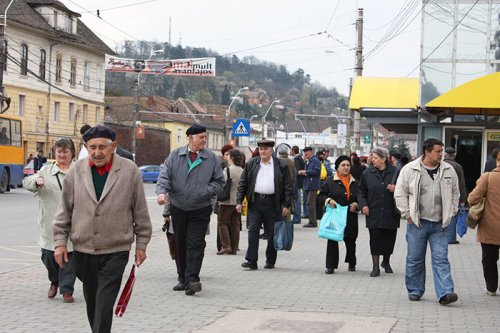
{"points": [[136, 101], [264, 127], [228, 111]]}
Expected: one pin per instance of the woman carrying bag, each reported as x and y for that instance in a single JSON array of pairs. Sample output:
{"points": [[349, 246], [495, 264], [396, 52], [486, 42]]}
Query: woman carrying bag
{"points": [[376, 199], [488, 228], [341, 189]]}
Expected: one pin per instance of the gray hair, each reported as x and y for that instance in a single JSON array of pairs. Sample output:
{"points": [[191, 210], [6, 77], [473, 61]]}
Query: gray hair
{"points": [[382, 153]]}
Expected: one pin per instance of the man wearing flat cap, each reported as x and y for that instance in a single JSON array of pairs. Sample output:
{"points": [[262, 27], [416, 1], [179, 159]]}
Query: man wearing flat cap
{"points": [[191, 176], [311, 184], [449, 157], [103, 210], [267, 185]]}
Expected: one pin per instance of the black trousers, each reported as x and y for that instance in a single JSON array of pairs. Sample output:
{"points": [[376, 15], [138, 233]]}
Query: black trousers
{"points": [[190, 228], [261, 212], [332, 252], [101, 276], [490, 269], [64, 277]]}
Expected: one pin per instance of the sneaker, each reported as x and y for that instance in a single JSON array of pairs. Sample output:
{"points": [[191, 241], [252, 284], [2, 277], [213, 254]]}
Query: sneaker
{"points": [[448, 298], [490, 293], [413, 297]]}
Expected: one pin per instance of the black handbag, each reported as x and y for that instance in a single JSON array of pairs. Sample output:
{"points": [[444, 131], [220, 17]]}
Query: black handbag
{"points": [[226, 190]]}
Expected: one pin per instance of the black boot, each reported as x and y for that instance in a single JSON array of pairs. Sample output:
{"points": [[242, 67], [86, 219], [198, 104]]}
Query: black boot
{"points": [[376, 270], [385, 264]]}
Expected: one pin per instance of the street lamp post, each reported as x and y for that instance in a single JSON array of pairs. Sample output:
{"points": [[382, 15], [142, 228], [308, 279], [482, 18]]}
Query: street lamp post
{"points": [[228, 112], [264, 127], [136, 100]]}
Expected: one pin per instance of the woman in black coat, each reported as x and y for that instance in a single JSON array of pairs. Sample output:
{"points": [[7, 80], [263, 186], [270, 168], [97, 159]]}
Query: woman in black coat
{"points": [[341, 189], [376, 199]]}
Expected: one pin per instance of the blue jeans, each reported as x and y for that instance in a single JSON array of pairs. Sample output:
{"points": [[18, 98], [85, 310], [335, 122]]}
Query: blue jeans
{"points": [[417, 239], [452, 235], [305, 211], [297, 204]]}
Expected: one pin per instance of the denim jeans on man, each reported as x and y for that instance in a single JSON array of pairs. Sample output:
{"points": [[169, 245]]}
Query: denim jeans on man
{"points": [[452, 230], [417, 239], [297, 204]]}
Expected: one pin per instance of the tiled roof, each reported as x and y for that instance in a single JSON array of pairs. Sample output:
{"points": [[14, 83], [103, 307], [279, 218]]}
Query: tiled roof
{"points": [[24, 12]]}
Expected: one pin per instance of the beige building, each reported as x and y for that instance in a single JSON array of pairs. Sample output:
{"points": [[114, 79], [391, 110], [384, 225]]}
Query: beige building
{"points": [[54, 72]]}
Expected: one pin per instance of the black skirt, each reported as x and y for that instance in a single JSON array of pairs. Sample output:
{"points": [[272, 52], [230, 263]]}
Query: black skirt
{"points": [[382, 241]]}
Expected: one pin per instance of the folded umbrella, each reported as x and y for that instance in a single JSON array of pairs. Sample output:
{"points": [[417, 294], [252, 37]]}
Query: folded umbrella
{"points": [[126, 292]]}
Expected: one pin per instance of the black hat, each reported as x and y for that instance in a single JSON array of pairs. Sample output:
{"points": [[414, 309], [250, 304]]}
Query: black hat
{"points": [[265, 143], [195, 129], [307, 149], [341, 159], [449, 150], [99, 131]]}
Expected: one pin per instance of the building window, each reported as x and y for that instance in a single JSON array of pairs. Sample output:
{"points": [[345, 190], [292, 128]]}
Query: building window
{"points": [[85, 113], [71, 112], [68, 24], [22, 105], [98, 73], [24, 59], [5, 52], [72, 77], [43, 60], [58, 67], [55, 19], [179, 135], [57, 111], [97, 114], [40, 109], [86, 76]]}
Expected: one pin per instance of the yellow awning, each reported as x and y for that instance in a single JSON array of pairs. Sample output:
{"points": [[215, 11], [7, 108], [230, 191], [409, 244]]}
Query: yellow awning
{"points": [[384, 93], [482, 93]]}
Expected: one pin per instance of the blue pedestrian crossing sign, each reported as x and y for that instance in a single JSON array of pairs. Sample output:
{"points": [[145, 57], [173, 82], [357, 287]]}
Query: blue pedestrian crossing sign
{"points": [[241, 127]]}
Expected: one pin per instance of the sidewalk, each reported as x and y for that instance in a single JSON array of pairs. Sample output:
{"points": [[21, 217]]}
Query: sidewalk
{"points": [[295, 297]]}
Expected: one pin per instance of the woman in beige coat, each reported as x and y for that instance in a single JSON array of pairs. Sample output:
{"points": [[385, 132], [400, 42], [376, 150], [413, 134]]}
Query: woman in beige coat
{"points": [[47, 186], [488, 228]]}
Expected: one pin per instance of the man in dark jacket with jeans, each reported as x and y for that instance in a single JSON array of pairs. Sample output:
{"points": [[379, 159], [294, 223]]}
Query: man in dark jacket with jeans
{"points": [[192, 176], [267, 185], [311, 184]]}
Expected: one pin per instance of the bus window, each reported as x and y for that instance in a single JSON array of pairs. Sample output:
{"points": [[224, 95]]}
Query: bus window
{"points": [[5, 133]]}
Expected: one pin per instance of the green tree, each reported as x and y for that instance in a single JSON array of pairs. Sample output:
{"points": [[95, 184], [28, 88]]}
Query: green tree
{"points": [[203, 97], [180, 92], [226, 96]]}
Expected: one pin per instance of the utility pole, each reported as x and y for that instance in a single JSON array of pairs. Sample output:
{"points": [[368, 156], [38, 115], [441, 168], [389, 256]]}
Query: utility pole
{"points": [[135, 112], [3, 57], [359, 72]]}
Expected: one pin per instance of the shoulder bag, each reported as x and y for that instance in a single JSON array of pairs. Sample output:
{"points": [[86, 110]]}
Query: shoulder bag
{"points": [[476, 211], [226, 190]]}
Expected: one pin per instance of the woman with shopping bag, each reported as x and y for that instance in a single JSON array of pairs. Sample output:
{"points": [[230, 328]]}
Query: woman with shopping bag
{"points": [[341, 190], [488, 227]]}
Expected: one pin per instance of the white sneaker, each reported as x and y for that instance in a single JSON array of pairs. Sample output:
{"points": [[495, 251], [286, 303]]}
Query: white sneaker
{"points": [[490, 293]]}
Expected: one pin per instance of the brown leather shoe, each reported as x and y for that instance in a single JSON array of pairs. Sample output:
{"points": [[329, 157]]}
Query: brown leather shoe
{"points": [[68, 298], [52, 291]]}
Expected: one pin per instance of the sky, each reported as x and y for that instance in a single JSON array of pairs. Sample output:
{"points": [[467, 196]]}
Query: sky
{"points": [[318, 36]]}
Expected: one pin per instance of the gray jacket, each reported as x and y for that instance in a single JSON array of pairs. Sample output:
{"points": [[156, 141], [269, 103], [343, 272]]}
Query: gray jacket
{"points": [[192, 187]]}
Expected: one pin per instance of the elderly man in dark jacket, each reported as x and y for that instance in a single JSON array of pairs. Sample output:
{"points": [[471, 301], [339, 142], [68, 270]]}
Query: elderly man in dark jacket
{"points": [[192, 176], [311, 184], [267, 185]]}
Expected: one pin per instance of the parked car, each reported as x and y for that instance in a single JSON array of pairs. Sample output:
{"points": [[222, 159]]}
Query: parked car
{"points": [[150, 173], [29, 169]]}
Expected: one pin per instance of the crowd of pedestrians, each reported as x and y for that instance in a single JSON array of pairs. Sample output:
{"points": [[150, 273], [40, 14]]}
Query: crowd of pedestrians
{"points": [[92, 210]]}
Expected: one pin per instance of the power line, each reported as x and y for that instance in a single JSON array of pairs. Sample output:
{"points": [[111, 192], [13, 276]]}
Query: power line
{"points": [[444, 39]]}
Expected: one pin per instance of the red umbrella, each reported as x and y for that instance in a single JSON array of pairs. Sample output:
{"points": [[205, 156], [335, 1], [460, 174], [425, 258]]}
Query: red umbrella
{"points": [[126, 292]]}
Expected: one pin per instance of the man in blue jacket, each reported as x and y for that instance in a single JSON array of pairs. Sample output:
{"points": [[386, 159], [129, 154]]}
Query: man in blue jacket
{"points": [[191, 175], [311, 184]]}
